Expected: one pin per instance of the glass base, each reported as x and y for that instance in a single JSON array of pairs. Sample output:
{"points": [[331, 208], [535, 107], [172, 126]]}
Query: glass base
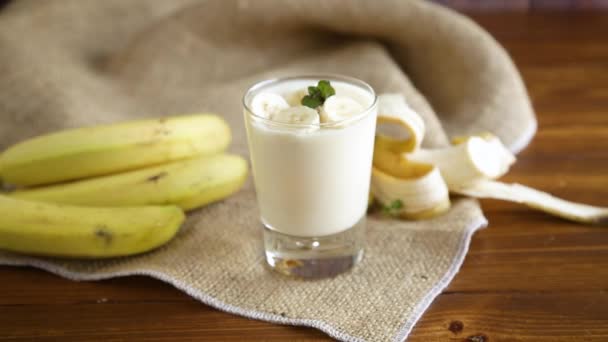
{"points": [[315, 257]]}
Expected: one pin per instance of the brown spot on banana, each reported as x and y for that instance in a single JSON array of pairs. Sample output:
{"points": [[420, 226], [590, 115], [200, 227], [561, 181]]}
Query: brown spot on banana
{"points": [[102, 233], [4, 187], [157, 177]]}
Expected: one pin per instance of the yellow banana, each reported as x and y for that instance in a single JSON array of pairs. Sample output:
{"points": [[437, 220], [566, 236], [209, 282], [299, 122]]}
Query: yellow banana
{"points": [[69, 231], [94, 151], [188, 183], [420, 178], [417, 187], [422, 197]]}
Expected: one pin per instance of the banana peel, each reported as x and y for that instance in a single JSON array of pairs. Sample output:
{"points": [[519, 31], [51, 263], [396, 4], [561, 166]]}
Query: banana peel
{"points": [[402, 171], [537, 199], [419, 187], [422, 197]]}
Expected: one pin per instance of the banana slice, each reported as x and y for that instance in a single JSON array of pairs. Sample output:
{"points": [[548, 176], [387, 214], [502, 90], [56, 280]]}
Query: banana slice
{"points": [[337, 108], [295, 99], [268, 104], [497, 146], [300, 115], [394, 111], [423, 197], [474, 159]]}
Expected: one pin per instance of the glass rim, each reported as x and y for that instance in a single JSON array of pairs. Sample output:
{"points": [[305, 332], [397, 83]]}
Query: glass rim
{"points": [[337, 77]]}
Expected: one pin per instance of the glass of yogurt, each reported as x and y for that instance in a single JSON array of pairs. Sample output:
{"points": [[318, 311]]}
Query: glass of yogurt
{"points": [[311, 142]]}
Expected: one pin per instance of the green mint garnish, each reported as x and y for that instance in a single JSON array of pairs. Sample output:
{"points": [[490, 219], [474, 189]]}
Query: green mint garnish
{"points": [[393, 208], [314, 92], [326, 89], [317, 95], [312, 101]]}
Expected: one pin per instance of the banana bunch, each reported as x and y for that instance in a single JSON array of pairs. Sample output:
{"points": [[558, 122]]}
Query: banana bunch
{"points": [[413, 182], [114, 190]]}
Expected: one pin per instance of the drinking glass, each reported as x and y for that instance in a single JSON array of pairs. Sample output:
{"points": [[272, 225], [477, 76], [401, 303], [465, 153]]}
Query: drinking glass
{"points": [[312, 180]]}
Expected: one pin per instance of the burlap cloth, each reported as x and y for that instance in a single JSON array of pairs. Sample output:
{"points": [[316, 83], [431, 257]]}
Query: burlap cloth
{"points": [[72, 63]]}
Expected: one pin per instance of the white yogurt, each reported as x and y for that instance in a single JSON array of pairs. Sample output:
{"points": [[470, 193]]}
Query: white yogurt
{"points": [[312, 180]]}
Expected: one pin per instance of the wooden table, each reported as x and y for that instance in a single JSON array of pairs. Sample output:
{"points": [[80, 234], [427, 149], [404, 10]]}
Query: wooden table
{"points": [[528, 277]]}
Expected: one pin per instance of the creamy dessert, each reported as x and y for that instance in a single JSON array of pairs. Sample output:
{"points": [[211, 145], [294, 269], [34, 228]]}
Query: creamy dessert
{"points": [[311, 146]]}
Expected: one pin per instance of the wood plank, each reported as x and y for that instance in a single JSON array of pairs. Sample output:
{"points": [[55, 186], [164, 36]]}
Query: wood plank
{"points": [[534, 257], [22, 286], [148, 320], [499, 316], [558, 27], [530, 317]]}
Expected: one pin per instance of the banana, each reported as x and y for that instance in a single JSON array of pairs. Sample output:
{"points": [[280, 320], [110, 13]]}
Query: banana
{"points": [[536, 199], [395, 114], [402, 170], [499, 158], [295, 99], [300, 115], [102, 150], [268, 104], [419, 187], [459, 139], [69, 231], [502, 152], [422, 197], [337, 108], [473, 159], [189, 184]]}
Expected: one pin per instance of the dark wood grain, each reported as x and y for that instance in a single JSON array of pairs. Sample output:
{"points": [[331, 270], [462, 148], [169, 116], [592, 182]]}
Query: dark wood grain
{"points": [[523, 5], [528, 277]]}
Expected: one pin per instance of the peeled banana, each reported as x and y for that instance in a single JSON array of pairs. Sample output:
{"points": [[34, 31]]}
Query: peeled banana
{"points": [[473, 159], [404, 171], [418, 186], [422, 197], [70, 231], [102, 150], [188, 183]]}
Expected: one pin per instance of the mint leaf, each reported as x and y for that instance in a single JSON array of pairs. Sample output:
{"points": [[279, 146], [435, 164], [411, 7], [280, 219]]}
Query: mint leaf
{"points": [[326, 89], [312, 102], [314, 92], [317, 95], [397, 204], [393, 208]]}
